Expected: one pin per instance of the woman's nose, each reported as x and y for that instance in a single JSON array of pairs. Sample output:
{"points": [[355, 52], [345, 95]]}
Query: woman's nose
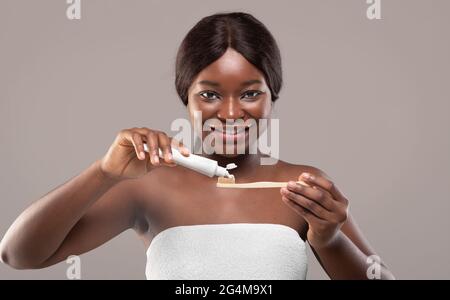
{"points": [[230, 109]]}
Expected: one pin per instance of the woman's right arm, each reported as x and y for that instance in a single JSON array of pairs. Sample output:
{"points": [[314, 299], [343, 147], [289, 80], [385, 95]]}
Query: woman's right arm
{"points": [[89, 209]]}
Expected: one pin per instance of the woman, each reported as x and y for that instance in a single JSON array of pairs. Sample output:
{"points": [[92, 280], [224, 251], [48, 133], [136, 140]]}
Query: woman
{"points": [[228, 67]]}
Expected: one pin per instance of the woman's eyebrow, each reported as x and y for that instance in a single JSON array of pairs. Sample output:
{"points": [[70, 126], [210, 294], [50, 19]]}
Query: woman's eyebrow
{"points": [[216, 84], [250, 82], [210, 83]]}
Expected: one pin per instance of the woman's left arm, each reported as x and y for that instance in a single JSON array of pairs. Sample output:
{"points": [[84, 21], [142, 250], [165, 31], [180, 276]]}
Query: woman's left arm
{"points": [[333, 235]]}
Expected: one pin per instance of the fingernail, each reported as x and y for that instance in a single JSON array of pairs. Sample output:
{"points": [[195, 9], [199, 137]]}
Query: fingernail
{"points": [[291, 184], [142, 154], [169, 156], [156, 158], [307, 175]]}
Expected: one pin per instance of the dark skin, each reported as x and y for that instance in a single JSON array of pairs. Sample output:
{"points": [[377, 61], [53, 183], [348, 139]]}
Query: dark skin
{"points": [[129, 189]]}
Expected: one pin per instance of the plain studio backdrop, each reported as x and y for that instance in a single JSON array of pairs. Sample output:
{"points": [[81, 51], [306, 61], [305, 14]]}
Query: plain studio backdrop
{"points": [[367, 101]]}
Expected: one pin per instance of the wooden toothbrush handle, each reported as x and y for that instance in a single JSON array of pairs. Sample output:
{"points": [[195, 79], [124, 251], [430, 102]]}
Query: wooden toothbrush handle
{"points": [[257, 185]]}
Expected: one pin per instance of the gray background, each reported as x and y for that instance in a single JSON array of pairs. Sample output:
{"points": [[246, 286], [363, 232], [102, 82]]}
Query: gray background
{"points": [[366, 101]]}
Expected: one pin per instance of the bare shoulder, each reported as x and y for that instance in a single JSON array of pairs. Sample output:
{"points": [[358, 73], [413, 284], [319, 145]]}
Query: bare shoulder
{"points": [[153, 190], [136, 196]]}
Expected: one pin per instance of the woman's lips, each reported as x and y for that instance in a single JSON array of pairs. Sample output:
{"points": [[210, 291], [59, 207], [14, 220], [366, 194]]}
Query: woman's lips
{"points": [[231, 135]]}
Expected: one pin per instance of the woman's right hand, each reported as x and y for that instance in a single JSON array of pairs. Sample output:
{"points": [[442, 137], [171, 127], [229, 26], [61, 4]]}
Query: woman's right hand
{"points": [[126, 157]]}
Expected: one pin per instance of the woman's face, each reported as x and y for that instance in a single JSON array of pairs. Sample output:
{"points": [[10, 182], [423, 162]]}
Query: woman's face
{"points": [[230, 89]]}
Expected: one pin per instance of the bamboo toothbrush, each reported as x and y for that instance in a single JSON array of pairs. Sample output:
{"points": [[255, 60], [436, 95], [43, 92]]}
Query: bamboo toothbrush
{"points": [[224, 182]]}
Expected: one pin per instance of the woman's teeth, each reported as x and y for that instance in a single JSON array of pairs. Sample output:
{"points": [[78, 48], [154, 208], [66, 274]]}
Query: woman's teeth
{"points": [[237, 131], [230, 130]]}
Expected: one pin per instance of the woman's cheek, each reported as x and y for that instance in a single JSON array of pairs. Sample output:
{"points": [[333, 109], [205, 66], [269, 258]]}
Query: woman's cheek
{"points": [[206, 113], [267, 107], [260, 109]]}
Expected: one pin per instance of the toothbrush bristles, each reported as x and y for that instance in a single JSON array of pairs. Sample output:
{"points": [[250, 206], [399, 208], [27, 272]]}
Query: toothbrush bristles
{"points": [[226, 179]]}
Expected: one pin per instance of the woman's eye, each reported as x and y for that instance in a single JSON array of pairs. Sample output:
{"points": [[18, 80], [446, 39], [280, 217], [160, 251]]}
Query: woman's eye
{"points": [[251, 94], [209, 95]]}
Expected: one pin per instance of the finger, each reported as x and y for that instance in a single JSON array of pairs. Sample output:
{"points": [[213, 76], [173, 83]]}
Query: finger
{"points": [[325, 184], [143, 130], [164, 144], [309, 217], [321, 197], [178, 145], [312, 206], [138, 145], [153, 146]]}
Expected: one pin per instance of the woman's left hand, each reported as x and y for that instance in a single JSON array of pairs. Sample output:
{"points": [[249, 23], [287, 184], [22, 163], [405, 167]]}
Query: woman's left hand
{"points": [[322, 205]]}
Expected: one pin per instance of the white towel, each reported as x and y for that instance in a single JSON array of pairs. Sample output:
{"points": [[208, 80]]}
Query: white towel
{"points": [[227, 251]]}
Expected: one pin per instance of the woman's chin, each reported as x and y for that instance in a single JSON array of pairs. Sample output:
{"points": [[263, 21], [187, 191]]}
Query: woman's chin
{"points": [[230, 153]]}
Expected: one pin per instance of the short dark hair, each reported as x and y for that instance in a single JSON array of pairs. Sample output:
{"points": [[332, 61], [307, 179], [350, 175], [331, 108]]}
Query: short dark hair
{"points": [[208, 40]]}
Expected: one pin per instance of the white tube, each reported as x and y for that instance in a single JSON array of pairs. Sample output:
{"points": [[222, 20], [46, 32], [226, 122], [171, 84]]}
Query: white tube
{"points": [[197, 163]]}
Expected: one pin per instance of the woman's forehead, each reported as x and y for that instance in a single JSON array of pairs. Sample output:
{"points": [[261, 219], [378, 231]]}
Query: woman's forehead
{"points": [[230, 68]]}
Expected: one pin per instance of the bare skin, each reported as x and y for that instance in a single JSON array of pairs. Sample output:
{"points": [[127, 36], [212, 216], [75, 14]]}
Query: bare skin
{"points": [[127, 190]]}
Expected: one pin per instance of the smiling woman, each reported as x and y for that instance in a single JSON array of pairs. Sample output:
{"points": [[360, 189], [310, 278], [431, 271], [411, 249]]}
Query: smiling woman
{"points": [[228, 68]]}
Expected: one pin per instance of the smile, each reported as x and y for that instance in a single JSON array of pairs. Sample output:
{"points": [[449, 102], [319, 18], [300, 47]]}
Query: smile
{"points": [[230, 130], [231, 134]]}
